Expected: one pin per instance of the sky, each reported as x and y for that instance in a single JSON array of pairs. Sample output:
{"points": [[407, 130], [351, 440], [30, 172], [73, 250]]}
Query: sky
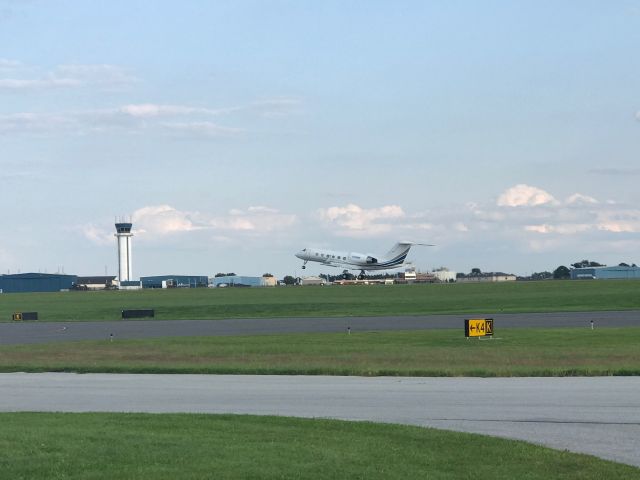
{"points": [[235, 133]]}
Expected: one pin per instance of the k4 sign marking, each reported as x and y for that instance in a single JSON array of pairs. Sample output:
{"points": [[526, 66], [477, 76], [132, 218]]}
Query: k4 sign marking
{"points": [[478, 327]]}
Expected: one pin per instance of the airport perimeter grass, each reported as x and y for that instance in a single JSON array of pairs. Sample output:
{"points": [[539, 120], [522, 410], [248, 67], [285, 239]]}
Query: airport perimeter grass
{"points": [[143, 446], [514, 352], [362, 300]]}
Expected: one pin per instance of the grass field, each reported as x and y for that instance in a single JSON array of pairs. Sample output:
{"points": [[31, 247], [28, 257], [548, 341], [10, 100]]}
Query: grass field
{"points": [[515, 352], [142, 446], [173, 304]]}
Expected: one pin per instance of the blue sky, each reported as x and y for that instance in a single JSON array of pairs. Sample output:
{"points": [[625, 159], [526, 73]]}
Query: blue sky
{"points": [[236, 133]]}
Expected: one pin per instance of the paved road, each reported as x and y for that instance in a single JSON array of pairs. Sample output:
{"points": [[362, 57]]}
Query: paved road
{"points": [[598, 416], [41, 332]]}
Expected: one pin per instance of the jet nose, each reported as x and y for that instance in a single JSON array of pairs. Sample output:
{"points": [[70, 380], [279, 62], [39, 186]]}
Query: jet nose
{"points": [[300, 254]]}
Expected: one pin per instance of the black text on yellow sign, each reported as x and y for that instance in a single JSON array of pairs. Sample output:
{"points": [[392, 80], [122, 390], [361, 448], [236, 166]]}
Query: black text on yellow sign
{"points": [[478, 327]]}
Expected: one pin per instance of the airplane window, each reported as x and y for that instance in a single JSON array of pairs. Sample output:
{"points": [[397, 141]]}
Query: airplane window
{"points": [[344, 258], [333, 256], [316, 254]]}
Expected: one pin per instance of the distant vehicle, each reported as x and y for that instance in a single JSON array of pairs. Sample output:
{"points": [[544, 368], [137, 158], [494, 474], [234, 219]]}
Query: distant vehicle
{"points": [[394, 258]]}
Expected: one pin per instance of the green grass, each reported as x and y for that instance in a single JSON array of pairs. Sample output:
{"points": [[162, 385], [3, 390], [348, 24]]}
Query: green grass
{"points": [[143, 446], [514, 352], [331, 301]]}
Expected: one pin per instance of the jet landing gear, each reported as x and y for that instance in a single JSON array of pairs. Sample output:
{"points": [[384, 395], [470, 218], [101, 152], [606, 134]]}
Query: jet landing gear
{"points": [[304, 264], [362, 274]]}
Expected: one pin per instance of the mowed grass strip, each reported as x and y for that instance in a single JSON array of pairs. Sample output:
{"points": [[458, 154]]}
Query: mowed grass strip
{"points": [[372, 300], [144, 446], [514, 352]]}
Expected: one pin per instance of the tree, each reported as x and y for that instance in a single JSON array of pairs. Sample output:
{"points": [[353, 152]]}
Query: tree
{"points": [[586, 264], [561, 273], [475, 271], [623, 264], [267, 275], [219, 274], [289, 280], [346, 275], [541, 275]]}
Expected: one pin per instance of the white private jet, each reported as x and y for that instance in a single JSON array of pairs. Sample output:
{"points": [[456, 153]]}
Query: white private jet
{"points": [[394, 258]]}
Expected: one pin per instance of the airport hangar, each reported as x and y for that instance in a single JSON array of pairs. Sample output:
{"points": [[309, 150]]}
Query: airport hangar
{"points": [[36, 282], [606, 273], [177, 281]]}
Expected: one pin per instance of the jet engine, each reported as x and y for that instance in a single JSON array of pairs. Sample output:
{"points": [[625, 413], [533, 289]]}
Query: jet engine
{"points": [[372, 260]]}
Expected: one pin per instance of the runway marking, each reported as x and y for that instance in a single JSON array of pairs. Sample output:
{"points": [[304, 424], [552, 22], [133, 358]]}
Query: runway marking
{"points": [[489, 420]]}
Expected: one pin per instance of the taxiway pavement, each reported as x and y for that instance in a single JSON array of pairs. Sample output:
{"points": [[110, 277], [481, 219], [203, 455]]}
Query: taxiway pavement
{"points": [[594, 415], [43, 332]]}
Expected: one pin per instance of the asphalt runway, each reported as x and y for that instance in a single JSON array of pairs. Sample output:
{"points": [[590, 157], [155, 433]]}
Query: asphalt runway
{"points": [[43, 332], [594, 415]]}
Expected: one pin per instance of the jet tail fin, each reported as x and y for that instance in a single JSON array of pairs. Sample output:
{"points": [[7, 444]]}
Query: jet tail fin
{"points": [[401, 249]]}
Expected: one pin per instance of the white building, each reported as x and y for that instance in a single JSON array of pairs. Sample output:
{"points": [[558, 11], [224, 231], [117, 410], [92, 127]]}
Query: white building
{"points": [[312, 281], [444, 275]]}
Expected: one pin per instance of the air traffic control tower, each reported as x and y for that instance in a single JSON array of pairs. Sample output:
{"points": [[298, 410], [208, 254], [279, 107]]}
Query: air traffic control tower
{"points": [[123, 234]]}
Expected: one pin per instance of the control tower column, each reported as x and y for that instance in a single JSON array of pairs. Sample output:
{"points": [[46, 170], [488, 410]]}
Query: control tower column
{"points": [[123, 234]]}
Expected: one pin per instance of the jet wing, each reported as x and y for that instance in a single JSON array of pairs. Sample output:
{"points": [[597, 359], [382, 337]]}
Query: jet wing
{"points": [[329, 264]]}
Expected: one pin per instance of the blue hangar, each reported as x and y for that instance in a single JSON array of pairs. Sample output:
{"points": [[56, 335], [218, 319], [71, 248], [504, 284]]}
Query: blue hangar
{"points": [[36, 282], [605, 273]]}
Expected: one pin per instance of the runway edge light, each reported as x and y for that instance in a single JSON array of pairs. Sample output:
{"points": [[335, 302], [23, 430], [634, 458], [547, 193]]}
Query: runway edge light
{"points": [[478, 327]]}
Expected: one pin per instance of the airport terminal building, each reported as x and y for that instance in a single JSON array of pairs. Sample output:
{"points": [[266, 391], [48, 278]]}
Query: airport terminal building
{"points": [[605, 273]]}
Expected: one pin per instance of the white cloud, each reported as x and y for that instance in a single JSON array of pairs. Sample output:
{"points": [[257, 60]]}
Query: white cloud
{"points": [[525, 195], [146, 110], [130, 118], [578, 198], [162, 220], [561, 229], [6, 257], [36, 123], [255, 219], [179, 120], [8, 64], [35, 84], [622, 172], [156, 222], [204, 129], [97, 235], [278, 106], [261, 209], [353, 220], [619, 220], [63, 76], [98, 74], [461, 227]]}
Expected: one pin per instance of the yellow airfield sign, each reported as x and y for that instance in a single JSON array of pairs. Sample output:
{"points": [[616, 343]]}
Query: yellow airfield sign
{"points": [[478, 327]]}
